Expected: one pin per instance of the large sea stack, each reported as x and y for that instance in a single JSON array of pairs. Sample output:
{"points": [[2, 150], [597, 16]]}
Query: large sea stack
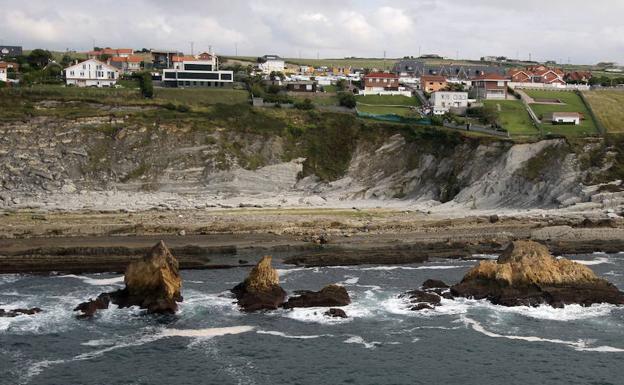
{"points": [[261, 289], [152, 283], [527, 274]]}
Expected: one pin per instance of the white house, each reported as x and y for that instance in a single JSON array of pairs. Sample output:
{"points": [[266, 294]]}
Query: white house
{"points": [[190, 72], [566, 118], [443, 101], [91, 73], [3, 72], [270, 63]]}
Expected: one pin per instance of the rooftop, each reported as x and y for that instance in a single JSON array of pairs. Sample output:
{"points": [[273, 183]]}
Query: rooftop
{"points": [[385, 75]]}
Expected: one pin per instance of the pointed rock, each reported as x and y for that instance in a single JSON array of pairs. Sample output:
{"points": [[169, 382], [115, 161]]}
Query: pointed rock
{"points": [[152, 283], [261, 289]]}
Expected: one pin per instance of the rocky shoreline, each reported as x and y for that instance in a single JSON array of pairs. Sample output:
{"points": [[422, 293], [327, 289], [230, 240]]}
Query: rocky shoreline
{"points": [[107, 242]]}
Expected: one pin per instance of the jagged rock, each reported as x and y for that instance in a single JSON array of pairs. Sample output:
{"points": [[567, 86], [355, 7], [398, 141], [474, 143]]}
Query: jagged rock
{"points": [[330, 295], [16, 312], [336, 313], [261, 289], [526, 274], [434, 284], [421, 299], [494, 218], [152, 283]]}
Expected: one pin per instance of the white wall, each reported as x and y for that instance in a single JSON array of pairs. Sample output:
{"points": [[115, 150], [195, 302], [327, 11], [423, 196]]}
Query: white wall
{"points": [[3, 75], [91, 73], [542, 86]]}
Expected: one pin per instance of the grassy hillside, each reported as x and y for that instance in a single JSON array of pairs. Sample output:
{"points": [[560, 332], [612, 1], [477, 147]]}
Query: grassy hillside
{"points": [[609, 108], [571, 103]]}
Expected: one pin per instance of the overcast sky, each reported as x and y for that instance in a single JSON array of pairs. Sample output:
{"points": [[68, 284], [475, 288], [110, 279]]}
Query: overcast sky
{"points": [[577, 30]]}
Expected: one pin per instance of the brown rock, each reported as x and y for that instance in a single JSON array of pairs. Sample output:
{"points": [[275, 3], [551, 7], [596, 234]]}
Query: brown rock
{"points": [[261, 289], [16, 312], [434, 284], [334, 312], [526, 274], [152, 283], [330, 295]]}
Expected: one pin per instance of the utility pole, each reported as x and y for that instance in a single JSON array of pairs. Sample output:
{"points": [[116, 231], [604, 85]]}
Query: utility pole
{"points": [[317, 55], [235, 49], [384, 60], [192, 43], [419, 49]]}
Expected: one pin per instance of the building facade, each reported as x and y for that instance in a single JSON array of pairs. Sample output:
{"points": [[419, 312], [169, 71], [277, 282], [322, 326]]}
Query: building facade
{"points": [[10, 51], [432, 83], [443, 101], [112, 52], [91, 73], [271, 63], [4, 71], [126, 64], [566, 118], [490, 86], [190, 72]]}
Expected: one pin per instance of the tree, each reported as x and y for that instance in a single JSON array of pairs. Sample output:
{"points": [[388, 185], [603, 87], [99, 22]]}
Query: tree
{"points": [[66, 60], [145, 84], [305, 105], [39, 58], [104, 57], [277, 74], [341, 85], [347, 99]]}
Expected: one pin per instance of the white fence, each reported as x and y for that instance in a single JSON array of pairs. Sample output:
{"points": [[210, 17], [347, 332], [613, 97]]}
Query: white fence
{"points": [[554, 87], [394, 93]]}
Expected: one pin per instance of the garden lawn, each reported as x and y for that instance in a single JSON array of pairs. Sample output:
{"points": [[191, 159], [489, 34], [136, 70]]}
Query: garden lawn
{"points": [[573, 103], [388, 100], [514, 117], [385, 110], [200, 96], [608, 106]]}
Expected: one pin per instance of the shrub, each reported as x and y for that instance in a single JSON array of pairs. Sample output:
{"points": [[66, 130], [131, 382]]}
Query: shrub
{"points": [[170, 106], [145, 84], [2, 84], [183, 108], [347, 99], [306, 104]]}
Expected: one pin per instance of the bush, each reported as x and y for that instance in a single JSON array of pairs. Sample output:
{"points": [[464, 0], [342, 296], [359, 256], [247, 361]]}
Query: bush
{"points": [[183, 108], [145, 84], [347, 99], [170, 106], [2, 84], [306, 104]]}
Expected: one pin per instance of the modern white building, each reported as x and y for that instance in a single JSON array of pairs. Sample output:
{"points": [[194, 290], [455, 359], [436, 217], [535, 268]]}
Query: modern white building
{"points": [[189, 72], [443, 101], [566, 118], [3, 72], [91, 73], [271, 63]]}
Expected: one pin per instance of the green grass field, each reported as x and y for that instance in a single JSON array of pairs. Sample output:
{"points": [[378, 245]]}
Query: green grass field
{"points": [[200, 96], [514, 117], [388, 100], [609, 108], [572, 103], [385, 110]]}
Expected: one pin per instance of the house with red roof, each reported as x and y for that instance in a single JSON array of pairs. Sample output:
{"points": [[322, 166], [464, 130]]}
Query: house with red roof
{"points": [[578, 76], [112, 52], [490, 86], [383, 83], [538, 74], [432, 83], [127, 64]]}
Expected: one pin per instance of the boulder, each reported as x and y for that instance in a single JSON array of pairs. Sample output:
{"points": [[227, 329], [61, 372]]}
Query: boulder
{"points": [[152, 283], [16, 312], [261, 289], [330, 295], [421, 299], [527, 274], [336, 313], [434, 284]]}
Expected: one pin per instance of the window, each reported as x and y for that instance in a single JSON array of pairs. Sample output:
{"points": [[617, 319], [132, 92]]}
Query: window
{"points": [[198, 67], [226, 76], [198, 75]]}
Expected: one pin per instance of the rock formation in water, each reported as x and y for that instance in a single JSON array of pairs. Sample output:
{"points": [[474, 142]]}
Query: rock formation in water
{"points": [[336, 313], [420, 299], [329, 296], [16, 312], [527, 274], [152, 283], [261, 289]]}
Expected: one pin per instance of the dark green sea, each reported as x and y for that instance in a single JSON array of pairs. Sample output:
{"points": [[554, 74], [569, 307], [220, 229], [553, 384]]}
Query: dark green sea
{"points": [[211, 342]]}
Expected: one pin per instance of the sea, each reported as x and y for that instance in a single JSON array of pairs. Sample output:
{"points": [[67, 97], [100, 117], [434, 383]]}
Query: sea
{"points": [[381, 342]]}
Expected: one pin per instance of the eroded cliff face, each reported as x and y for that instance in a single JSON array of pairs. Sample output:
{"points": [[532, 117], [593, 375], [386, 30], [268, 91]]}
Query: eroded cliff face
{"points": [[45, 156]]}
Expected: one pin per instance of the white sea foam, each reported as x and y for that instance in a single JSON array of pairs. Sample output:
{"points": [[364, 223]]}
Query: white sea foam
{"points": [[350, 280], [577, 345], [360, 340], [597, 261], [424, 267], [284, 335], [485, 256], [206, 333], [96, 281]]}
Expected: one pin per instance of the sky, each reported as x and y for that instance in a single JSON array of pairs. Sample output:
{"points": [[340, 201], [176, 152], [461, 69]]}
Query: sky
{"points": [[578, 31]]}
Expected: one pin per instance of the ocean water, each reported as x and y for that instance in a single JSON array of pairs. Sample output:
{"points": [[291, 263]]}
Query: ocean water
{"points": [[211, 342]]}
